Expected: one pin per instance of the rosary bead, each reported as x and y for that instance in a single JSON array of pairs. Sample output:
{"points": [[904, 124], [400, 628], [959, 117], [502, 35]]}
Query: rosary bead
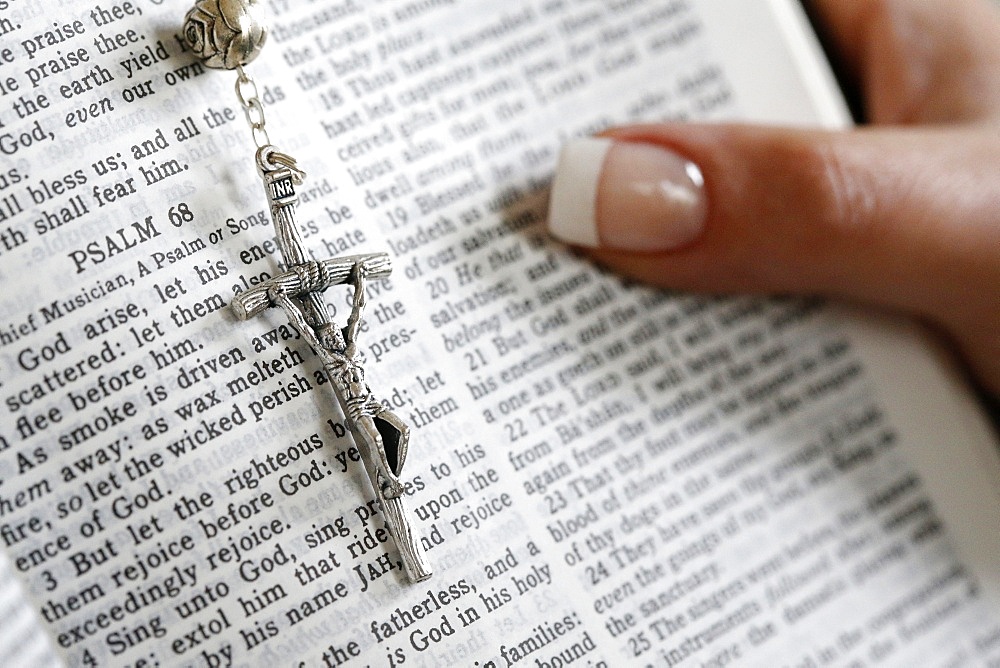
{"points": [[225, 34]]}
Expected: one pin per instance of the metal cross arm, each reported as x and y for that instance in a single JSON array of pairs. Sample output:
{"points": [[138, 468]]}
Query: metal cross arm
{"points": [[381, 436], [313, 276]]}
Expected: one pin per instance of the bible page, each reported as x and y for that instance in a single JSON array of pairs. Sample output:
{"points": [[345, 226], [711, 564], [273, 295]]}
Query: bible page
{"points": [[601, 474]]}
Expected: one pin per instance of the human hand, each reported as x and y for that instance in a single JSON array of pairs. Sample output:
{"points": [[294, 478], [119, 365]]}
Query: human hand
{"points": [[904, 213]]}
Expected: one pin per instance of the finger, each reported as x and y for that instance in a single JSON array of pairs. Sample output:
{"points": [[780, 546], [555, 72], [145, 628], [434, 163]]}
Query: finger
{"points": [[901, 218], [919, 61]]}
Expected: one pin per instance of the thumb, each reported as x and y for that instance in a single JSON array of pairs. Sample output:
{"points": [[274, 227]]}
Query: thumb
{"points": [[904, 218]]}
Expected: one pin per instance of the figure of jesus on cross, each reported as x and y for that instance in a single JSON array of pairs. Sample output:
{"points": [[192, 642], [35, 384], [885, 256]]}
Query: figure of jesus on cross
{"points": [[381, 436]]}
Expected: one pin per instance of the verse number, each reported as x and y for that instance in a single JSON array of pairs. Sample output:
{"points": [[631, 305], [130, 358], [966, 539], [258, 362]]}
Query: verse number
{"points": [[639, 644], [597, 572], [515, 430], [438, 287], [180, 214], [476, 359], [88, 659], [50, 581], [397, 217], [556, 502]]}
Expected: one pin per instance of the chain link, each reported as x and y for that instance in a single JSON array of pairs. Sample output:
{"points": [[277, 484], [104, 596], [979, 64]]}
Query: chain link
{"points": [[246, 91]]}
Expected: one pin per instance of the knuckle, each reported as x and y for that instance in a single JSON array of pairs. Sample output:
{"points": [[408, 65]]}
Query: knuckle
{"points": [[847, 192]]}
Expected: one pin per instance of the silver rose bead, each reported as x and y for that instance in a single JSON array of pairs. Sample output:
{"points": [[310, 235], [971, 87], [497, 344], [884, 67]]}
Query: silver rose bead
{"points": [[225, 33]]}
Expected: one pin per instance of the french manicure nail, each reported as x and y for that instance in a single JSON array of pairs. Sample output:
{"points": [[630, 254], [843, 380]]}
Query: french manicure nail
{"points": [[626, 196]]}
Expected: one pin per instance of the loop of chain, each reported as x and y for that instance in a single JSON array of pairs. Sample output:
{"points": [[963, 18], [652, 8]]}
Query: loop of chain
{"points": [[246, 91], [270, 159]]}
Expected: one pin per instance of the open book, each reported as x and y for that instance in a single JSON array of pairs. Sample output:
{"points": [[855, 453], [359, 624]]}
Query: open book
{"points": [[600, 474]]}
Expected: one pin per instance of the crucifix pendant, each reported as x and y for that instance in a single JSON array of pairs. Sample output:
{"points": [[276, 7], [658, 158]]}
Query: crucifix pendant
{"points": [[382, 438]]}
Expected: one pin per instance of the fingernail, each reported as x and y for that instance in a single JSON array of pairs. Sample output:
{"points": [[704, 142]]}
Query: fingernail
{"points": [[626, 196]]}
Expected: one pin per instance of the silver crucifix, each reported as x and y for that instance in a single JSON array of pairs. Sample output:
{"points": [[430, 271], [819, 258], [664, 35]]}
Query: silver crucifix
{"points": [[228, 35], [381, 436]]}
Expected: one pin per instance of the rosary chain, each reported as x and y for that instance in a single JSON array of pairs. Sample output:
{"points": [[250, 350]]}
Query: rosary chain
{"points": [[246, 91]]}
